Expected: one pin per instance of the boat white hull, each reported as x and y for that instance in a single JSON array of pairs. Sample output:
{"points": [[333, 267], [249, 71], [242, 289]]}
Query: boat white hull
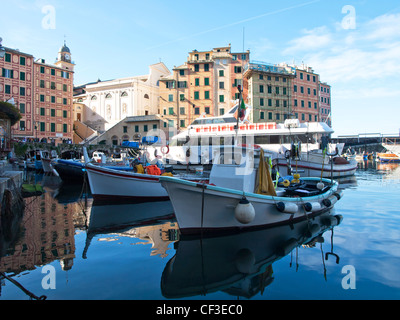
{"points": [[206, 208], [110, 184], [312, 169]]}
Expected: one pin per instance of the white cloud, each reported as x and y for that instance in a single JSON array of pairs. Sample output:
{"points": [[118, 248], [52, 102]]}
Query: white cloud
{"points": [[317, 38]]}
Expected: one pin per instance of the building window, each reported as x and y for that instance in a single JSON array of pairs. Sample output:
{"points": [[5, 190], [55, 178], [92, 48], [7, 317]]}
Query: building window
{"points": [[6, 73], [52, 127], [238, 69], [261, 115], [7, 57], [221, 98], [261, 102], [196, 67], [170, 97], [22, 61], [65, 101], [181, 97], [53, 85], [42, 84], [261, 88], [207, 110], [260, 77], [269, 88], [7, 89], [145, 128], [206, 81], [206, 67], [65, 113], [277, 116], [221, 111], [197, 110], [181, 72], [42, 126], [22, 125], [53, 99], [221, 73], [206, 94], [65, 74], [136, 128], [42, 98], [182, 123], [42, 111], [65, 88], [197, 82], [269, 115], [154, 127], [53, 72], [42, 69], [124, 129], [171, 111], [52, 112], [182, 110], [65, 127], [269, 102], [22, 107], [22, 76], [196, 95], [222, 85]]}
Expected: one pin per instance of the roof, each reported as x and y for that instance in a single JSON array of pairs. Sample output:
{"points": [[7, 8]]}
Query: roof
{"points": [[64, 48], [142, 118]]}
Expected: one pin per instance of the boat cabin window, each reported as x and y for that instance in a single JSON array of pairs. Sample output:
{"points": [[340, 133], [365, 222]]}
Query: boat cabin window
{"points": [[233, 158]]}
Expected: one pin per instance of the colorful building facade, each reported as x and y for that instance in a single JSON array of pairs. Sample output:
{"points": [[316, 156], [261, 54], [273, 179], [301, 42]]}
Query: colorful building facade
{"points": [[305, 94], [42, 93], [205, 85]]}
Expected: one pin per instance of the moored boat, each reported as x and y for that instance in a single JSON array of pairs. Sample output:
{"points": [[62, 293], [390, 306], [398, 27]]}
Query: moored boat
{"points": [[241, 196], [387, 157]]}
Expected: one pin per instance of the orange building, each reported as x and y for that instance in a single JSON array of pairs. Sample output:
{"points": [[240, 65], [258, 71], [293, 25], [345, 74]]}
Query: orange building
{"points": [[206, 84]]}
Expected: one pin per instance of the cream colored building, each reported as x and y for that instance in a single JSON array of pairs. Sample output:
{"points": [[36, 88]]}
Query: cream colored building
{"points": [[105, 103]]}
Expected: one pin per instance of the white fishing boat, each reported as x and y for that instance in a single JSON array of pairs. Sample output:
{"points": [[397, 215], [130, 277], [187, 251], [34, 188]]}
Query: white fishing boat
{"points": [[110, 184], [241, 195], [316, 163]]}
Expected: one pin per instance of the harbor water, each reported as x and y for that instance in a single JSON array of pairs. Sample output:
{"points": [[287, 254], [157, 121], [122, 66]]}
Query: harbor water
{"points": [[63, 246]]}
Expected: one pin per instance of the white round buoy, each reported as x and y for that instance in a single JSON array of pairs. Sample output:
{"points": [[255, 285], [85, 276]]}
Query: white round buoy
{"points": [[320, 185], [244, 211]]}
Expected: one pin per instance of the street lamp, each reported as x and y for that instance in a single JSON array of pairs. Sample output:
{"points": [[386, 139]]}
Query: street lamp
{"points": [[2, 49]]}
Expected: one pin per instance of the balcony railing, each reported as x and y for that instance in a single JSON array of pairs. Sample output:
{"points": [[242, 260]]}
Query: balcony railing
{"points": [[269, 68]]}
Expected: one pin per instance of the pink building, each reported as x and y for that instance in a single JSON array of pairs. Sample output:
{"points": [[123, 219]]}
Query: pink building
{"points": [[305, 94], [325, 103]]}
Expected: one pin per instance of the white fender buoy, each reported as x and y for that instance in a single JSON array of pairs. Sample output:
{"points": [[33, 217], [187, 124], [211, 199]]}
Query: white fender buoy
{"points": [[312, 206], [320, 185], [287, 207], [244, 211]]}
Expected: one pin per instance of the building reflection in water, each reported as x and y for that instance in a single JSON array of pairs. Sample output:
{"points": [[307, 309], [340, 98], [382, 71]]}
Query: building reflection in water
{"points": [[45, 234]]}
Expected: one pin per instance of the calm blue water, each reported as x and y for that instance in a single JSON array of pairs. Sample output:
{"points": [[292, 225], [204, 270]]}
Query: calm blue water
{"points": [[111, 252]]}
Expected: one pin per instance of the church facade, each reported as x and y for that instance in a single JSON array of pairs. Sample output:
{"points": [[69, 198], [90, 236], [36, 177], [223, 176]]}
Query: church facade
{"points": [[103, 104]]}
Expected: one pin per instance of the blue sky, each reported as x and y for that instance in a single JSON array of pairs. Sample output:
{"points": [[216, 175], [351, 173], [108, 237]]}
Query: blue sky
{"points": [[353, 45]]}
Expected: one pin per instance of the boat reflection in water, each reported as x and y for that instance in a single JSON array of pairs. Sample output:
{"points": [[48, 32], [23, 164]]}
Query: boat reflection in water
{"points": [[140, 220], [239, 264]]}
